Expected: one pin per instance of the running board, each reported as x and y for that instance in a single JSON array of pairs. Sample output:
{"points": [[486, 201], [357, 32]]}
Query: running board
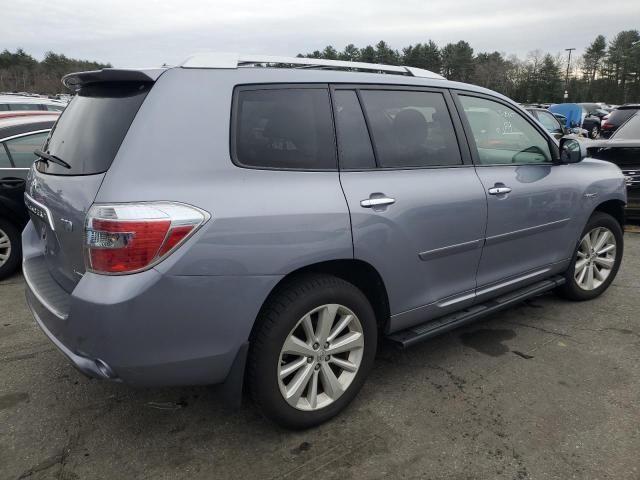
{"points": [[413, 335]]}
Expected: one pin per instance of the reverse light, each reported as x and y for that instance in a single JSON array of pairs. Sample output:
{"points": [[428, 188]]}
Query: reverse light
{"points": [[131, 237]]}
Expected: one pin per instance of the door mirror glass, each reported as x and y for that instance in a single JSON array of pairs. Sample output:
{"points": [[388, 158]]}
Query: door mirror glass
{"points": [[570, 150]]}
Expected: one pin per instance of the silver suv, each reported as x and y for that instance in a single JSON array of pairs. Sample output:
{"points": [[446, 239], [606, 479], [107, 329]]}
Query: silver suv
{"points": [[221, 223]]}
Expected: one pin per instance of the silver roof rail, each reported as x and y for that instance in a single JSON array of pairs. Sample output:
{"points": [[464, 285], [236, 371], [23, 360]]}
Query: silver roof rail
{"points": [[232, 60]]}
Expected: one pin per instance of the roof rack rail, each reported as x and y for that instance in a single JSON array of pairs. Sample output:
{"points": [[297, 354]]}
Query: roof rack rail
{"points": [[232, 60]]}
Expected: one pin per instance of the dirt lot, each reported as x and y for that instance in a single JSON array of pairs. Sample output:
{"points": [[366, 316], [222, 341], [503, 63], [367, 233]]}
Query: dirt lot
{"points": [[547, 390]]}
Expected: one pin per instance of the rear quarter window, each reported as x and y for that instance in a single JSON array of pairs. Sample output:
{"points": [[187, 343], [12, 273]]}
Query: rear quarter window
{"points": [[283, 128]]}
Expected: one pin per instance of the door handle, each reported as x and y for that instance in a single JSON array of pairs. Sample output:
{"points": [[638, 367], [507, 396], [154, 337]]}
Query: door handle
{"points": [[372, 202], [499, 190]]}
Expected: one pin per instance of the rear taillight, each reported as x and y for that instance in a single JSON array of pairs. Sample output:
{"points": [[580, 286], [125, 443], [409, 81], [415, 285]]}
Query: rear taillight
{"points": [[130, 237]]}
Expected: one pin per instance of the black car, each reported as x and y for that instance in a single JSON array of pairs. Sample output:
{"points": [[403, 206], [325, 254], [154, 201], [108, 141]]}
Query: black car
{"points": [[623, 149], [591, 120], [548, 121], [595, 109], [618, 117], [20, 134]]}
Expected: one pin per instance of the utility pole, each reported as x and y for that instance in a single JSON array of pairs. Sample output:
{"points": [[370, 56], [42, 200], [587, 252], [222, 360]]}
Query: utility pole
{"points": [[566, 78]]}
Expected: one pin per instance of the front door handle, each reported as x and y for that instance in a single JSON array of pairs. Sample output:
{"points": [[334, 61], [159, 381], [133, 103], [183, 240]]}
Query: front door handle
{"points": [[373, 202], [499, 190]]}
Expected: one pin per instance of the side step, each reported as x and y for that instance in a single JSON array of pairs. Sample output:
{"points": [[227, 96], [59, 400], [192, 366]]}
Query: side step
{"points": [[413, 335]]}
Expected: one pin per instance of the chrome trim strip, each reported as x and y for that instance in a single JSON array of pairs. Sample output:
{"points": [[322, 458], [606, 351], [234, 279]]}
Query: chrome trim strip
{"points": [[24, 135], [525, 231], [512, 281], [40, 298], [46, 210], [457, 299], [450, 250]]}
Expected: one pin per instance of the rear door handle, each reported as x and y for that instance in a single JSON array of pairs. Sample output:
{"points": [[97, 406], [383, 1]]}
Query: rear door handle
{"points": [[499, 190], [377, 202]]}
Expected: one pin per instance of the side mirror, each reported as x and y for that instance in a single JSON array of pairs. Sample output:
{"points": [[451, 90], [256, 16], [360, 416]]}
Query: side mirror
{"points": [[571, 150]]}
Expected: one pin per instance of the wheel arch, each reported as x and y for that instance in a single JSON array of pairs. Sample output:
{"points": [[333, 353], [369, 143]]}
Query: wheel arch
{"points": [[357, 272], [612, 207]]}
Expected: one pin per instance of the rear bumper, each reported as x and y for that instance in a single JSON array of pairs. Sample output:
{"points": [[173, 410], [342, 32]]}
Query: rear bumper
{"points": [[146, 329], [94, 368]]}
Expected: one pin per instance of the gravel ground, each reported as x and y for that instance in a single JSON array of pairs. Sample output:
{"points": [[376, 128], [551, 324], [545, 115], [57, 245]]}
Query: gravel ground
{"points": [[546, 390]]}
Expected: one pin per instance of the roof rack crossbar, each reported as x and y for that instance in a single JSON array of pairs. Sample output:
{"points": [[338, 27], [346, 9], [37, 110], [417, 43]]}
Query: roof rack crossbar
{"points": [[218, 60]]}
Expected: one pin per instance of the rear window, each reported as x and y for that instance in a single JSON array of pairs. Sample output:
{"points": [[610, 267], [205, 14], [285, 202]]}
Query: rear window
{"points": [[288, 128], [618, 117], [91, 129]]}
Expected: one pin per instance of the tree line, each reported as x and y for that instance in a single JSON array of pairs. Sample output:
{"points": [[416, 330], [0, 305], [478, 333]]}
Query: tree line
{"points": [[20, 72], [607, 72]]}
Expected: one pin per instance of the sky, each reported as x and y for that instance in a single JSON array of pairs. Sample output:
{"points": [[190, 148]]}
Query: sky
{"points": [[140, 33]]}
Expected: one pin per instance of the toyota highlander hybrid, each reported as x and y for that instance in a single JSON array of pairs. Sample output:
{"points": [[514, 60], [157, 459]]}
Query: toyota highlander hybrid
{"points": [[263, 227]]}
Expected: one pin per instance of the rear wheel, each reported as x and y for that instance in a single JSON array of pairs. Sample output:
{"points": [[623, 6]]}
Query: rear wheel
{"points": [[10, 248], [596, 259], [311, 351], [595, 131]]}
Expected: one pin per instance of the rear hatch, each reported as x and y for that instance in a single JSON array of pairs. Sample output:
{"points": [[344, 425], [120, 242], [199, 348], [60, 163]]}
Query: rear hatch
{"points": [[87, 137]]}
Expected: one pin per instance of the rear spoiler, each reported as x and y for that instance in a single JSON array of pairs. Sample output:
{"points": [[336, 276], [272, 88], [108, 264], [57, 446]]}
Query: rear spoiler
{"points": [[75, 81]]}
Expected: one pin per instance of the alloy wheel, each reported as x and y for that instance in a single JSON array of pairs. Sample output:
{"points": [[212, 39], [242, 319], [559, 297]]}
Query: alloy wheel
{"points": [[596, 257], [320, 357], [5, 247]]}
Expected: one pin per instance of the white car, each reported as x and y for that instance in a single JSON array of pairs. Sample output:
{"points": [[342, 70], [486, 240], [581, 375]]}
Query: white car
{"points": [[21, 102]]}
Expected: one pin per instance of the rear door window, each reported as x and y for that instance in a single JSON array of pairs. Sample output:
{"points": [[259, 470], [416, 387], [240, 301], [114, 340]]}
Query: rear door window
{"points": [[283, 128], [91, 129], [354, 144], [21, 148], [410, 129]]}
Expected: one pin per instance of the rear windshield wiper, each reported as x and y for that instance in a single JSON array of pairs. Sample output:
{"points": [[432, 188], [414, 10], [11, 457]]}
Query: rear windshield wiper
{"points": [[51, 158]]}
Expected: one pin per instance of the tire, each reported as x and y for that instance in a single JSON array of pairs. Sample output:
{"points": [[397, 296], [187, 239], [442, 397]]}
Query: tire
{"points": [[594, 132], [577, 290], [11, 245], [311, 296]]}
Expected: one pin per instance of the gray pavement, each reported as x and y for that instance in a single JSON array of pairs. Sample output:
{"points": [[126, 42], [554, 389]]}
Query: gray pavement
{"points": [[546, 390]]}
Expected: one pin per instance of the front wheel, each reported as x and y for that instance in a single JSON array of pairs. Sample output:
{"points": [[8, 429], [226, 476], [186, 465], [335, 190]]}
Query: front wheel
{"points": [[311, 351], [595, 131], [596, 259]]}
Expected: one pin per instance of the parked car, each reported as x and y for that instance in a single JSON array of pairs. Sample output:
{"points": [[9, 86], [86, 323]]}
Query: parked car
{"points": [[28, 103], [548, 121], [578, 116], [618, 117], [20, 134], [282, 219], [623, 149], [594, 109]]}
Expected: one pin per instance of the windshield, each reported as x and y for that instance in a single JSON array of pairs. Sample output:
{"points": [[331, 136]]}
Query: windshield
{"points": [[89, 132]]}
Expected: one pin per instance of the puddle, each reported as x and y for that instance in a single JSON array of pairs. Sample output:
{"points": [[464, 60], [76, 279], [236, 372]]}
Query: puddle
{"points": [[488, 341]]}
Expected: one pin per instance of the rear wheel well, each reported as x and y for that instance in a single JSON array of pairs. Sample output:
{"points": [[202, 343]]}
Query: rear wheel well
{"points": [[359, 273], [615, 208]]}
